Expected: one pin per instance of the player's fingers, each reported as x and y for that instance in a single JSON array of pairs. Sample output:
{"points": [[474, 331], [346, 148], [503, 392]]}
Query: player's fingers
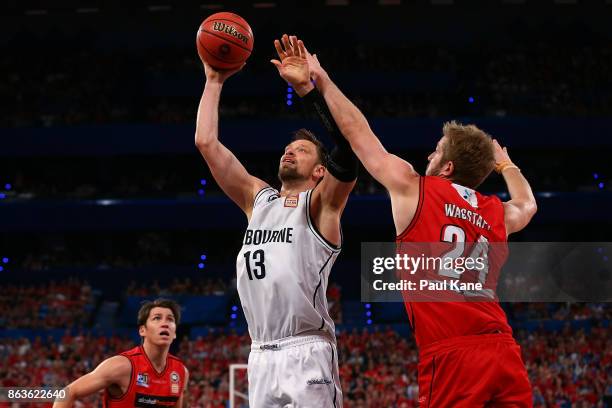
{"points": [[276, 63], [279, 50], [294, 45], [302, 49], [286, 44]]}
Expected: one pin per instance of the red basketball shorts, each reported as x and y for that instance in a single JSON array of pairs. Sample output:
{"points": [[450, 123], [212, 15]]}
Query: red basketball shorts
{"points": [[473, 371]]}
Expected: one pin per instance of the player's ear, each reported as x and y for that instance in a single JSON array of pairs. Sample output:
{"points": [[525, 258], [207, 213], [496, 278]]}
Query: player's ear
{"points": [[141, 331], [447, 169], [319, 171]]}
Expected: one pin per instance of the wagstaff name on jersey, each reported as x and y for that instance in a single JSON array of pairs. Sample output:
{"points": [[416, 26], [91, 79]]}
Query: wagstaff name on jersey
{"points": [[259, 237], [455, 211]]}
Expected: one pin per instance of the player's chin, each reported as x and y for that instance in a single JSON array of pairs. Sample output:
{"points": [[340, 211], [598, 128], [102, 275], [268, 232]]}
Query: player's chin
{"points": [[162, 340]]}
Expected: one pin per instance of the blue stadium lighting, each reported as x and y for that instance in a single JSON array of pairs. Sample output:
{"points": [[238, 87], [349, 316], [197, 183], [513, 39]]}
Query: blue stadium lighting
{"points": [[2, 195], [200, 192], [289, 95], [605, 258], [601, 185], [1, 268], [367, 305], [599, 250], [203, 182], [7, 186], [368, 313], [595, 176], [234, 308], [201, 265], [5, 260], [233, 316], [471, 99], [369, 321], [203, 257]]}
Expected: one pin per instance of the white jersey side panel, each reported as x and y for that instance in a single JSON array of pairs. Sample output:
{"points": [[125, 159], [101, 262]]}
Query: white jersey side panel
{"points": [[283, 270]]}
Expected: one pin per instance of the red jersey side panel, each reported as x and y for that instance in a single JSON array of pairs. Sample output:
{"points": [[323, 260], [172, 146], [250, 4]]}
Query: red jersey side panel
{"points": [[449, 212], [149, 388]]}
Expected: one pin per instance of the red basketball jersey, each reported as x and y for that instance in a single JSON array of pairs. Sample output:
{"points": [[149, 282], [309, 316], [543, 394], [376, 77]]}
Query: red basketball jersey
{"points": [[149, 388], [452, 213]]}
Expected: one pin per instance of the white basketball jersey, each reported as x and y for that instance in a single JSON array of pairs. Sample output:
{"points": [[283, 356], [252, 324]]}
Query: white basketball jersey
{"points": [[283, 269]]}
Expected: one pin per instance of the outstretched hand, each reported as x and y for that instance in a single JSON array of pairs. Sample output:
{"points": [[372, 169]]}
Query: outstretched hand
{"points": [[292, 64]]}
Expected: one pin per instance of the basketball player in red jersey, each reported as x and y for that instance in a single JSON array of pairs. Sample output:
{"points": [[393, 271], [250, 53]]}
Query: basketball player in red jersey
{"points": [[468, 357], [145, 376]]}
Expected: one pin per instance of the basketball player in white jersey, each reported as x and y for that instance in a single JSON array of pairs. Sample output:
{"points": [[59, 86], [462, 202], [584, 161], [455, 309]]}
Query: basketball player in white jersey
{"points": [[291, 243]]}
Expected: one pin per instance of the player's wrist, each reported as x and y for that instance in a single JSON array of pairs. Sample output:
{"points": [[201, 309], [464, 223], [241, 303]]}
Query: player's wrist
{"points": [[214, 83], [505, 165], [303, 88], [319, 76]]}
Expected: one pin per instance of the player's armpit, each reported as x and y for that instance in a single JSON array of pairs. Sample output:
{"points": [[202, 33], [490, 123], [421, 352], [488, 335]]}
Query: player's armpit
{"points": [[110, 371], [333, 192], [327, 202], [518, 213]]}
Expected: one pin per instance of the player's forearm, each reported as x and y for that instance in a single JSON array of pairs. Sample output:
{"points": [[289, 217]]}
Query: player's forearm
{"points": [[207, 122], [67, 402], [63, 404], [518, 186], [351, 122]]}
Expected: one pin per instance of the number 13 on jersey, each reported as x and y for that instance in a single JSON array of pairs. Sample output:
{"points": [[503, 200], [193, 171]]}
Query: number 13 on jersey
{"points": [[259, 267]]}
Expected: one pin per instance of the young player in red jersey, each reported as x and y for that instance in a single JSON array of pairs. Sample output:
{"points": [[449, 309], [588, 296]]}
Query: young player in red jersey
{"points": [[145, 376], [468, 357]]}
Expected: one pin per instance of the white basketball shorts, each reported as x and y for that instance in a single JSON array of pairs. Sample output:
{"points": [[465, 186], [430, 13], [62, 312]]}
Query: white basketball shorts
{"points": [[295, 372]]}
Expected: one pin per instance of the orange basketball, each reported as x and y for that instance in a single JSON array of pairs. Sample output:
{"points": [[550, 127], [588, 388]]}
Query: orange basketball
{"points": [[224, 40]]}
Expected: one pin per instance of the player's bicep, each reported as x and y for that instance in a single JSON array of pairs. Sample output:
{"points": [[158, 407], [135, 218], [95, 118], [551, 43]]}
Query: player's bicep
{"points": [[393, 172], [232, 176]]}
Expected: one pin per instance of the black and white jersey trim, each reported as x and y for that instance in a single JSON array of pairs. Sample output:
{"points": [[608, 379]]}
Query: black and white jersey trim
{"points": [[314, 230]]}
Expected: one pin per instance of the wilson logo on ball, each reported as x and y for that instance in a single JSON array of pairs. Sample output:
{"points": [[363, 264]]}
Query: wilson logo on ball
{"points": [[228, 29]]}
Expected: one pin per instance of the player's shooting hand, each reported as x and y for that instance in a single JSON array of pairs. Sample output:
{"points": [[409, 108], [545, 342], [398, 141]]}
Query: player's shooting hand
{"points": [[500, 154], [218, 76], [291, 63]]}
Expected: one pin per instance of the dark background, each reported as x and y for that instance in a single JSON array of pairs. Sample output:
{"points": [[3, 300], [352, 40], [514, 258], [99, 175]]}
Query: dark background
{"points": [[102, 198]]}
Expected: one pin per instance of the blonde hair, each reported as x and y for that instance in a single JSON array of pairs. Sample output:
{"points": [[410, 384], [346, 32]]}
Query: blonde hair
{"points": [[471, 151]]}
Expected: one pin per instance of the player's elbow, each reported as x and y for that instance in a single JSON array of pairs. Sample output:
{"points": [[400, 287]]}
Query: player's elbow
{"points": [[528, 210], [531, 208], [204, 145]]}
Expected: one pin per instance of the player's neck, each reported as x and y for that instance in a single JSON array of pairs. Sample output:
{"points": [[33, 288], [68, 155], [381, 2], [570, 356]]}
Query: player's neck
{"points": [[290, 188], [157, 355]]}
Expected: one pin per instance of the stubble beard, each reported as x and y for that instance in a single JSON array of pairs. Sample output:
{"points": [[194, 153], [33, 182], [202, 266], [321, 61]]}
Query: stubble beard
{"points": [[288, 174]]}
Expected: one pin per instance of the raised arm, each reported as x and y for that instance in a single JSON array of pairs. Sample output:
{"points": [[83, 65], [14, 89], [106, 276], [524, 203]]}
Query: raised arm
{"points": [[110, 372], [522, 206], [394, 173], [226, 169], [330, 196]]}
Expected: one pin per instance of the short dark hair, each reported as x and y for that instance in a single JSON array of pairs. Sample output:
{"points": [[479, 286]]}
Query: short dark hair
{"points": [[305, 134], [147, 306]]}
